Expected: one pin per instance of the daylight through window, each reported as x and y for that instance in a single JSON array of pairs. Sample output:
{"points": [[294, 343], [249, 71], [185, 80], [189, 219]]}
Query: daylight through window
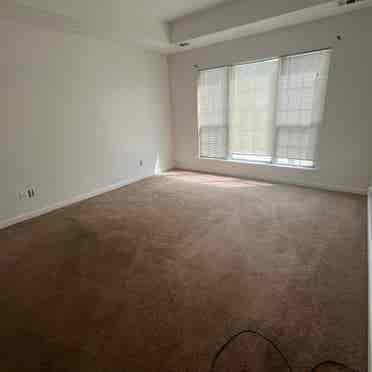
{"points": [[267, 111]]}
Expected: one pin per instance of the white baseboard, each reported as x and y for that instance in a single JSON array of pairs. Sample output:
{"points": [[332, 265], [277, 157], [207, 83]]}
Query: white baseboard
{"points": [[353, 190], [320, 186], [65, 203]]}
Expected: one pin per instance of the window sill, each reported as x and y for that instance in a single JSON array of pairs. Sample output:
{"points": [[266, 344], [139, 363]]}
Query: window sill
{"points": [[260, 163]]}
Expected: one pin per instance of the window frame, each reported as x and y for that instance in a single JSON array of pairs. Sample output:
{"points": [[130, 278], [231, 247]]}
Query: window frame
{"points": [[273, 162]]}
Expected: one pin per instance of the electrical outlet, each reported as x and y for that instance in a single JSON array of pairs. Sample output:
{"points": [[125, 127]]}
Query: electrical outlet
{"points": [[28, 193]]}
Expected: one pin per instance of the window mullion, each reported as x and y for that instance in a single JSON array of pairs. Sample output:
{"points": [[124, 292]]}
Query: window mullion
{"points": [[276, 104], [228, 111]]}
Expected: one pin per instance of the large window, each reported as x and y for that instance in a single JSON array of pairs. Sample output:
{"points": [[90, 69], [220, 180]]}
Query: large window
{"points": [[266, 111]]}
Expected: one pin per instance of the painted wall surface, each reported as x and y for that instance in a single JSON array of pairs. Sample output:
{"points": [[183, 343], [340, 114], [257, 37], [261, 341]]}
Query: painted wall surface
{"points": [[345, 137], [76, 115]]}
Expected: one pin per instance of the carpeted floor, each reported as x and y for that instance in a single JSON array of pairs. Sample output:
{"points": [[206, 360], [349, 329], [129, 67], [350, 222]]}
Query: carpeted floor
{"points": [[155, 277]]}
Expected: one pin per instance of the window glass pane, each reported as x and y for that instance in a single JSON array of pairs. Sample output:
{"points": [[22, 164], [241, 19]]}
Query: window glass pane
{"points": [[212, 112], [252, 102]]}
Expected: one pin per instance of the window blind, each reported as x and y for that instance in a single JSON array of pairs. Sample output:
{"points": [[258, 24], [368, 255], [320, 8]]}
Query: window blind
{"points": [[252, 102], [213, 112], [267, 111], [301, 98]]}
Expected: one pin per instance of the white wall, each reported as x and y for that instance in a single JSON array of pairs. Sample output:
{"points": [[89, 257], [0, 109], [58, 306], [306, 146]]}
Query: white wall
{"points": [[116, 20], [76, 115], [345, 138]]}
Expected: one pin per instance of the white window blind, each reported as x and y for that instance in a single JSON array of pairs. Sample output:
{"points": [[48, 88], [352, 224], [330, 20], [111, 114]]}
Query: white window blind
{"points": [[264, 111], [213, 112], [252, 102], [301, 97]]}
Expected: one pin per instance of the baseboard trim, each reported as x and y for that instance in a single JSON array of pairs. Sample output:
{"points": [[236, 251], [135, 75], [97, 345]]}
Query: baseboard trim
{"points": [[352, 190], [49, 208]]}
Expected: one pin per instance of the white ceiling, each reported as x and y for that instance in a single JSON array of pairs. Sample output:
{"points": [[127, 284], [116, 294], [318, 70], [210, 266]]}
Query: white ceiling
{"points": [[141, 21], [163, 10], [169, 10]]}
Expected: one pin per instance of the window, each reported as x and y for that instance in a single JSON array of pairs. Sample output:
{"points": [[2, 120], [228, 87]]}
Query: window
{"points": [[266, 111]]}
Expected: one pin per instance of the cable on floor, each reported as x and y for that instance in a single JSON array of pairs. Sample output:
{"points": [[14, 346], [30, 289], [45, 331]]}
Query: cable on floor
{"points": [[272, 343], [332, 363], [250, 331]]}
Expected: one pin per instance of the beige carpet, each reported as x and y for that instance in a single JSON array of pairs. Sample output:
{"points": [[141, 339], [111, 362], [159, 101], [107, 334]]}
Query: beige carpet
{"points": [[156, 276]]}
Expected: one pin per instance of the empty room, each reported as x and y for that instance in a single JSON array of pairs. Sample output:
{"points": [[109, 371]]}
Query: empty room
{"points": [[186, 186]]}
